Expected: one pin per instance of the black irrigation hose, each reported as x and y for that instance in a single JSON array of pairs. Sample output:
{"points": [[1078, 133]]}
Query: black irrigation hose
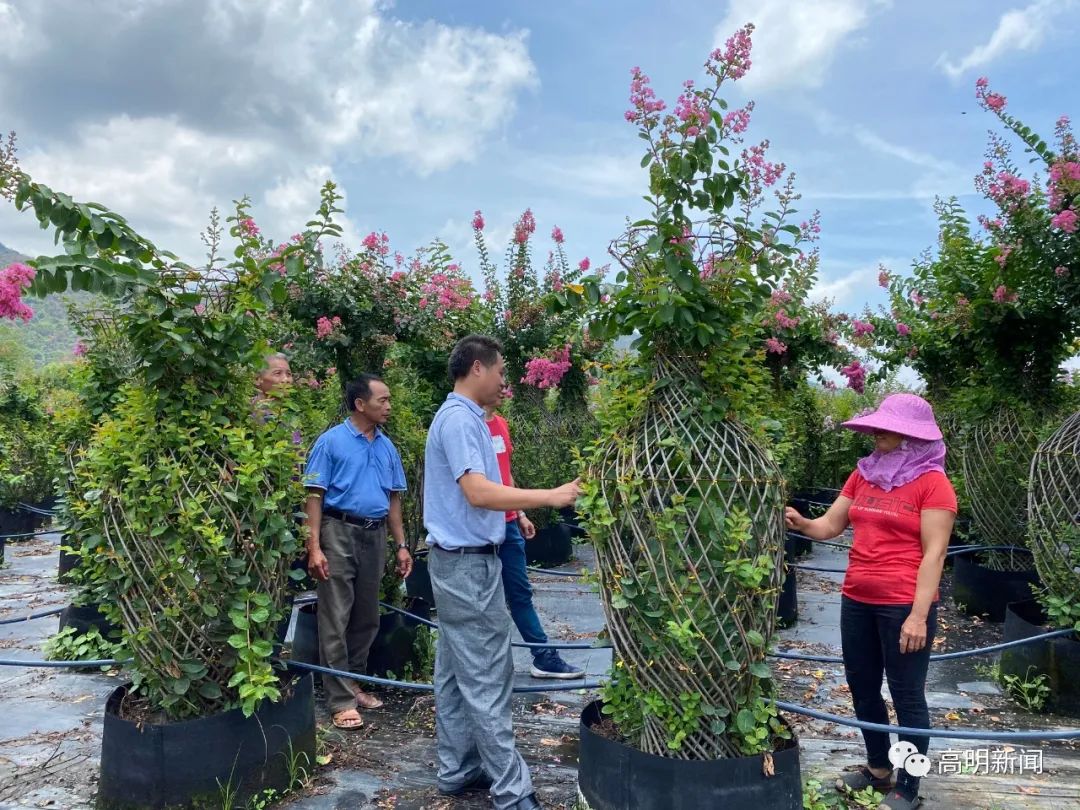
{"points": [[951, 552], [547, 646], [36, 510], [835, 659], [564, 686], [27, 618], [37, 533]]}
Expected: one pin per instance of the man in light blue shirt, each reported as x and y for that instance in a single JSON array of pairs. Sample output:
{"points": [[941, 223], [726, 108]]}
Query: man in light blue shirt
{"points": [[354, 478], [465, 507]]}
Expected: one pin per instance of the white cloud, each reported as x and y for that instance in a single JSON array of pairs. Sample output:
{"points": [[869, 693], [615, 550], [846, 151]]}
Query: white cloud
{"points": [[1022, 29], [264, 99], [795, 42]]}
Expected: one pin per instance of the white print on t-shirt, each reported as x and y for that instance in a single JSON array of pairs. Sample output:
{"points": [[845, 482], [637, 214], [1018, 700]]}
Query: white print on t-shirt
{"points": [[500, 444]]}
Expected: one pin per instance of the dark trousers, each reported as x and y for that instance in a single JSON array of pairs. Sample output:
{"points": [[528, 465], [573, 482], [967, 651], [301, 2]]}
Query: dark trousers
{"points": [[518, 590], [348, 604], [870, 635]]}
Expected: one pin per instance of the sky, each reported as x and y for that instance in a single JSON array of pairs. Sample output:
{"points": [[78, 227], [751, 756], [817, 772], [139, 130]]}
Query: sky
{"points": [[425, 111]]}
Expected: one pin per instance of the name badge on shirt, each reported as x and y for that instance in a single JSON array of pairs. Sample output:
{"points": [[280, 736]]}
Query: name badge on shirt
{"points": [[499, 443]]}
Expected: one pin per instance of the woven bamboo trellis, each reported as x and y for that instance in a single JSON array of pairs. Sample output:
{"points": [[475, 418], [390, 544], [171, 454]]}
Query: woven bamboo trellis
{"points": [[671, 454], [176, 604], [996, 461], [1054, 509]]}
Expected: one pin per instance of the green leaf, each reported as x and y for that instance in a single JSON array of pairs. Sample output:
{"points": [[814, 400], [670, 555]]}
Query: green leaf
{"points": [[753, 636], [760, 669], [745, 721]]}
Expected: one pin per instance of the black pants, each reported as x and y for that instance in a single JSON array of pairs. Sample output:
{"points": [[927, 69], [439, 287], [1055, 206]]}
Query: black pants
{"points": [[870, 635]]}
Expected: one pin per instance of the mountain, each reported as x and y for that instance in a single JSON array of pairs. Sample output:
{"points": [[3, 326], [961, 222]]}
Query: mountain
{"points": [[48, 336]]}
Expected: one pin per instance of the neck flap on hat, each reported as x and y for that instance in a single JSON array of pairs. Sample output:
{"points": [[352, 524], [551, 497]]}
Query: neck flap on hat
{"points": [[907, 462]]}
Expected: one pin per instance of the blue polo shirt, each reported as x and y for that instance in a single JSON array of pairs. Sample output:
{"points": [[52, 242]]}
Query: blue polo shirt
{"points": [[458, 442], [356, 473]]}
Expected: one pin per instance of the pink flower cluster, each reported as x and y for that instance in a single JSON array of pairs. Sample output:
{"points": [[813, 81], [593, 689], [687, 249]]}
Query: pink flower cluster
{"points": [[557, 235], [995, 102], [774, 346], [862, 327], [779, 297], [525, 227], [692, 110], [248, 227], [446, 291], [13, 280], [856, 376], [643, 101], [737, 121], [1008, 189], [917, 299], [478, 221], [1061, 272], [377, 243], [761, 171], [903, 329], [79, 349], [784, 321], [1065, 220], [734, 59], [1003, 296], [883, 278], [584, 264], [324, 327], [547, 372]]}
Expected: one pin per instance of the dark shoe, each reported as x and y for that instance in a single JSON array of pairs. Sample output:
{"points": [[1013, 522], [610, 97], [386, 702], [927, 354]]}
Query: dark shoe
{"points": [[479, 782], [530, 802], [898, 801], [861, 779], [552, 665]]}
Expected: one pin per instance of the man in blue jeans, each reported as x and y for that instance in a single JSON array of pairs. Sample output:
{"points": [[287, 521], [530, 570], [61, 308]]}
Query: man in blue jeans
{"points": [[547, 663]]}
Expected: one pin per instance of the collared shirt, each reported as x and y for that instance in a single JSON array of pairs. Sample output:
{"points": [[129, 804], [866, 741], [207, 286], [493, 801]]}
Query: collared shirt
{"points": [[458, 442], [357, 474]]}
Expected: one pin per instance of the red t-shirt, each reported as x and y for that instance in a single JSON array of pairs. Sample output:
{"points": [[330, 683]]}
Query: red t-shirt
{"points": [[500, 438], [883, 565]]}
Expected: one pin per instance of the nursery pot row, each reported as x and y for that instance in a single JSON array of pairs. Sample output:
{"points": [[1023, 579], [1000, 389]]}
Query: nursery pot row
{"points": [[552, 546], [198, 763], [1058, 658], [983, 591], [615, 776]]}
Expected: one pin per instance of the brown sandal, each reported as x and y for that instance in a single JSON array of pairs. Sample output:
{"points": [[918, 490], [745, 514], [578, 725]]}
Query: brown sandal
{"points": [[343, 721], [367, 701]]}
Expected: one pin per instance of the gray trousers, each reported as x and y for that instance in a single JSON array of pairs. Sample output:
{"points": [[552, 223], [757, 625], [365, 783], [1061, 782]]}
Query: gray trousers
{"points": [[474, 676], [348, 604]]}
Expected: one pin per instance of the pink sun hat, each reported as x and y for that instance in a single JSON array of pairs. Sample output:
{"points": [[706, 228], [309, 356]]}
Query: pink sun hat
{"points": [[906, 414]]}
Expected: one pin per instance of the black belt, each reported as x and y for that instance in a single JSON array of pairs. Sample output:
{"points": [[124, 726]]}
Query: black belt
{"points": [[353, 520], [488, 549]]}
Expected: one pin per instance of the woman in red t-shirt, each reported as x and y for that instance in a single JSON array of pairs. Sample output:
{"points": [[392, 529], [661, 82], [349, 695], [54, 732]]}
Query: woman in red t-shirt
{"points": [[901, 507]]}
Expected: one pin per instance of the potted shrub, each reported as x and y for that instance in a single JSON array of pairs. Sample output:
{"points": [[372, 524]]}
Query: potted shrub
{"points": [[1054, 528], [987, 323], [682, 503], [187, 502]]}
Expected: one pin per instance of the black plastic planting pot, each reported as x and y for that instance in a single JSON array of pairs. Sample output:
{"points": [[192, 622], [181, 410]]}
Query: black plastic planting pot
{"points": [[1057, 658], [16, 522], [787, 607], [553, 545], [418, 582], [85, 618], [392, 651], [614, 776], [569, 516], [985, 592], [193, 763]]}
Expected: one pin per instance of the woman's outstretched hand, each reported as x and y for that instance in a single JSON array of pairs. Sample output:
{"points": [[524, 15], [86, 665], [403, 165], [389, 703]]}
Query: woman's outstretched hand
{"points": [[793, 520]]}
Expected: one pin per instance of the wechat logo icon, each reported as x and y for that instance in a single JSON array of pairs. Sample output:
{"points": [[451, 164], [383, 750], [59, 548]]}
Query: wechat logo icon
{"points": [[906, 757]]}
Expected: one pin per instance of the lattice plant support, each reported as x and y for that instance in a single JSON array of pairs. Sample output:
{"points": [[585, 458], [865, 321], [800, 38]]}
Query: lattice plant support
{"points": [[1054, 510], [690, 564], [996, 461]]}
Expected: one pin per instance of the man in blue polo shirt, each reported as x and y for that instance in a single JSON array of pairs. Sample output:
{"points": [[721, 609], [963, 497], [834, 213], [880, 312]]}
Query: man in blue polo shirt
{"points": [[354, 479], [465, 507]]}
